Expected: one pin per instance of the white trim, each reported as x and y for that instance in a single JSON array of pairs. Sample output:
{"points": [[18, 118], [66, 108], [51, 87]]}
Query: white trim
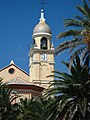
{"points": [[41, 34]]}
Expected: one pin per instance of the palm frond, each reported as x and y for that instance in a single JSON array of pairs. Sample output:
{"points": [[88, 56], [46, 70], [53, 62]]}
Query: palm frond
{"points": [[79, 25], [87, 8], [80, 18], [76, 45], [83, 11], [85, 53], [65, 45], [87, 61], [77, 52], [72, 22], [69, 33]]}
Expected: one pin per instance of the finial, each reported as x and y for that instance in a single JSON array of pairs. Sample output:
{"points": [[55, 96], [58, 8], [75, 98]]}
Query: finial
{"points": [[12, 62], [42, 19], [52, 46]]}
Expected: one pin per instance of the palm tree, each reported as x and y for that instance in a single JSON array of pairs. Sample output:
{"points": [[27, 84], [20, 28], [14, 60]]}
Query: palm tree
{"points": [[78, 33], [70, 92], [8, 109], [32, 109], [11, 114]]}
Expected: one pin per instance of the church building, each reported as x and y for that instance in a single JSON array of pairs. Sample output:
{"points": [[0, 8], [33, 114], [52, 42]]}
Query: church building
{"points": [[41, 64]]}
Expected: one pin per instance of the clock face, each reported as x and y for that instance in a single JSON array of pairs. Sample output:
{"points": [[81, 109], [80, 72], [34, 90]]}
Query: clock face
{"points": [[44, 57]]}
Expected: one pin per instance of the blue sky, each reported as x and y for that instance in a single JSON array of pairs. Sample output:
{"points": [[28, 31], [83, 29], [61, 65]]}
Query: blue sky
{"points": [[17, 20]]}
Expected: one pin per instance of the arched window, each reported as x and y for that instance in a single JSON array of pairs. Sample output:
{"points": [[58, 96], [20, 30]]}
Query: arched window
{"points": [[43, 43]]}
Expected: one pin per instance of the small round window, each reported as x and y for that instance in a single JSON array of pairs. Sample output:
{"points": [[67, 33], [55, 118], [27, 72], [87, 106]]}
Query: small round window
{"points": [[11, 70]]}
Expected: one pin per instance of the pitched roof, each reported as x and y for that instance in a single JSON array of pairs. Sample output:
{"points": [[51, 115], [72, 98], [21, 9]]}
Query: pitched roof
{"points": [[18, 80], [14, 66]]}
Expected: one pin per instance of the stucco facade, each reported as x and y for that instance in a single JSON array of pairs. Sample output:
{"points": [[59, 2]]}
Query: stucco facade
{"points": [[41, 64]]}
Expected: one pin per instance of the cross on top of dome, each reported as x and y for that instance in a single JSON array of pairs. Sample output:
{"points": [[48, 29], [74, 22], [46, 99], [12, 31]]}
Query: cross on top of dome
{"points": [[42, 3]]}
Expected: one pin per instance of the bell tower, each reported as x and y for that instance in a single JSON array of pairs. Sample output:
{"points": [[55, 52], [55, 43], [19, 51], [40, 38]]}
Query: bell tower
{"points": [[41, 54]]}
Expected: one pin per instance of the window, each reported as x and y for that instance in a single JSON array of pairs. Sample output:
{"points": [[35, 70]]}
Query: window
{"points": [[43, 43], [11, 70], [33, 41]]}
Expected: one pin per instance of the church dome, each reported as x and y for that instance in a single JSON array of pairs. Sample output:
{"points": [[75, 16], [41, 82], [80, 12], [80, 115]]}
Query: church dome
{"points": [[42, 28]]}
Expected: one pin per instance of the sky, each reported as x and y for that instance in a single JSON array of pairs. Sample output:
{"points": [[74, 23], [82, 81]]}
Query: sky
{"points": [[17, 21]]}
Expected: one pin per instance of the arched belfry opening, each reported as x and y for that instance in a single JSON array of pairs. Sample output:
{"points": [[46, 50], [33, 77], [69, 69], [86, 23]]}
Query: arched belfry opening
{"points": [[43, 43]]}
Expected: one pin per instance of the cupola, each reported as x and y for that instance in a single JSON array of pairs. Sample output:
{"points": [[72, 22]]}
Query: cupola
{"points": [[42, 28]]}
